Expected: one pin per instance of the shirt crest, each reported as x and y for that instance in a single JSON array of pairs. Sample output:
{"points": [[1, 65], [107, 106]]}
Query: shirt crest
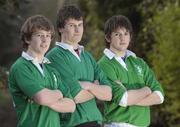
{"points": [[139, 70]]}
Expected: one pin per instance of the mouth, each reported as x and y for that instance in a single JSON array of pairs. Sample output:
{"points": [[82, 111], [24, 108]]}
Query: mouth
{"points": [[122, 43], [44, 46], [76, 34]]}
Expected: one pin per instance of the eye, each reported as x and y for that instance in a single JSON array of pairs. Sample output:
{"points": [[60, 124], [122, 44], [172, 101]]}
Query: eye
{"points": [[116, 34], [71, 25], [80, 25], [48, 35], [126, 33], [38, 35]]}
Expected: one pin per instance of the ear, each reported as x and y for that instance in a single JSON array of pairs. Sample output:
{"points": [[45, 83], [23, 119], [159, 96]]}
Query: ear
{"points": [[27, 41], [107, 38]]}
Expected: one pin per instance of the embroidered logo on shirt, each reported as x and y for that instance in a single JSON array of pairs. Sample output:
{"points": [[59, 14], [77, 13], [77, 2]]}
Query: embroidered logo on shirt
{"points": [[139, 70]]}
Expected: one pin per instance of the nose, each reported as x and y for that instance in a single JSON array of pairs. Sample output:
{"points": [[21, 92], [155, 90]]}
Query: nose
{"points": [[122, 37], [44, 38], [77, 29]]}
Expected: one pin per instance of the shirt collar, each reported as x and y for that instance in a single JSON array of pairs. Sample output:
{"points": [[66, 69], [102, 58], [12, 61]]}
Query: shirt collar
{"points": [[30, 58], [68, 46], [110, 54]]}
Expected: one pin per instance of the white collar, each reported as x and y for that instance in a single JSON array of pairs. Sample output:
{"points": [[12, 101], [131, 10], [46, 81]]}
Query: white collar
{"points": [[68, 46], [110, 54], [35, 61], [30, 58]]}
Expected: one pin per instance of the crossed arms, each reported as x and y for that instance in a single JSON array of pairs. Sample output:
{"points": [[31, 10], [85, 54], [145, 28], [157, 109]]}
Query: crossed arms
{"points": [[142, 97], [91, 90], [54, 99]]}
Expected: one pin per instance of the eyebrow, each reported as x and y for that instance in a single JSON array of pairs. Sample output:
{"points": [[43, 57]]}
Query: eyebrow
{"points": [[41, 33], [120, 32], [74, 23]]}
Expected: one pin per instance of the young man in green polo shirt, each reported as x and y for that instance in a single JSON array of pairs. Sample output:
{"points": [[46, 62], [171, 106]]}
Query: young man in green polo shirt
{"points": [[36, 87], [131, 73], [79, 70]]}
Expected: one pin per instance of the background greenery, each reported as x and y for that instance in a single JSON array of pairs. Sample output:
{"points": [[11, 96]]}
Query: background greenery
{"points": [[156, 26]]}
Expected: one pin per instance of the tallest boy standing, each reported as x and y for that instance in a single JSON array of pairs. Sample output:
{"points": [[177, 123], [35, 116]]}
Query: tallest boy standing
{"points": [[79, 70]]}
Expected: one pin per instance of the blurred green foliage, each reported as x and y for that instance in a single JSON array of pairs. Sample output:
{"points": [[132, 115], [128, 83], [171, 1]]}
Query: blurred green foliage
{"points": [[160, 46], [165, 58]]}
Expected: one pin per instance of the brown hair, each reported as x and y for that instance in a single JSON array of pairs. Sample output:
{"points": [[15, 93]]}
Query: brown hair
{"points": [[65, 13], [31, 25], [114, 23]]}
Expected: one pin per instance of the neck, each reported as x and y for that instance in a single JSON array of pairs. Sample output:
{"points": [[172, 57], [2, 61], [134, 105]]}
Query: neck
{"points": [[117, 52], [35, 55], [73, 44]]}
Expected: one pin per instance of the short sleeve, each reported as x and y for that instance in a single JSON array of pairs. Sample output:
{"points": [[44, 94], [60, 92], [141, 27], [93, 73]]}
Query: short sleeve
{"points": [[26, 81], [150, 79]]}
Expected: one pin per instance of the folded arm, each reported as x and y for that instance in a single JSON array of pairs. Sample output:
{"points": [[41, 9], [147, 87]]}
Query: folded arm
{"points": [[157, 96], [63, 105], [101, 92], [134, 96], [152, 99], [47, 97], [83, 96], [54, 100]]}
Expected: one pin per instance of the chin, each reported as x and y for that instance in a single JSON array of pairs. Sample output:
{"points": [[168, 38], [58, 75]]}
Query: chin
{"points": [[77, 41], [44, 51], [122, 50]]}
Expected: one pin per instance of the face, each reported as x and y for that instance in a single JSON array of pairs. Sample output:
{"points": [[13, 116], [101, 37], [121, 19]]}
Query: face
{"points": [[72, 31], [119, 40], [40, 42]]}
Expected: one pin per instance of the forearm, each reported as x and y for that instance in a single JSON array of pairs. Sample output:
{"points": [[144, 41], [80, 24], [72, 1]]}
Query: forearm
{"points": [[152, 99], [83, 96], [101, 92], [47, 97], [135, 96], [63, 105]]}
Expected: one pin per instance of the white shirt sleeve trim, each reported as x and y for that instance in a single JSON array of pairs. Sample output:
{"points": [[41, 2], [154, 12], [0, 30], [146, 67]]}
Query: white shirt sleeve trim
{"points": [[123, 101], [160, 95]]}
